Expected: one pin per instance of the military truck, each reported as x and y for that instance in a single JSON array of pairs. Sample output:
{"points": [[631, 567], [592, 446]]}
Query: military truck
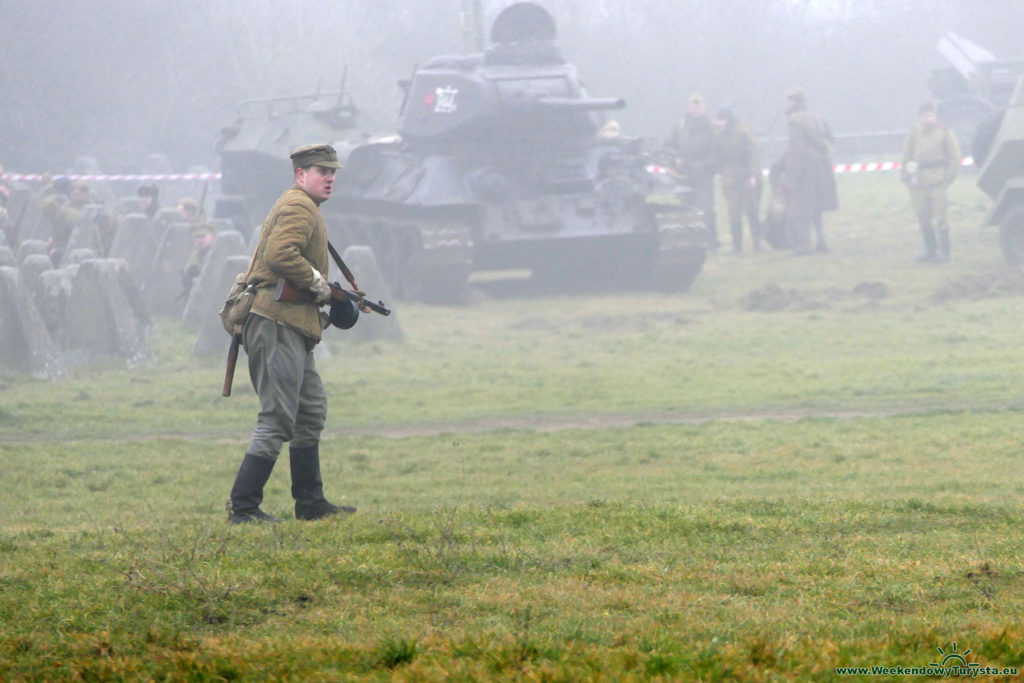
{"points": [[1001, 177], [975, 87], [502, 161]]}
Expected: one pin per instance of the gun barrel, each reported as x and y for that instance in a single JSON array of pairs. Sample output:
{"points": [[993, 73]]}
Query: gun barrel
{"points": [[585, 104]]}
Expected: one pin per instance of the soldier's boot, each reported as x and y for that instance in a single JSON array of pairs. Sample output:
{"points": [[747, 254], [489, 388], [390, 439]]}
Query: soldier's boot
{"points": [[819, 233], [755, 232], [736, 228], [929, 244], [943, 252], [247, 492], [308, 485]]}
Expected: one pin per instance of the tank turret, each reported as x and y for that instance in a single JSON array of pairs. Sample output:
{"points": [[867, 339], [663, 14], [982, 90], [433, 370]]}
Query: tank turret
{"points": [[499, 163]]}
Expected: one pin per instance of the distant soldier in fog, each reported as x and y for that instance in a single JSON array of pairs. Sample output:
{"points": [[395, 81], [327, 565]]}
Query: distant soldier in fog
{"points": [[201, 231], [149, 200], [738, 162], [62, 206], [693, 141], [931, 161], [808, 181]]}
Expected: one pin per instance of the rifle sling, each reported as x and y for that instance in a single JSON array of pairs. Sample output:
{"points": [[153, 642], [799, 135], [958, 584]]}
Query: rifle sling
{"points": [[341, 265]]}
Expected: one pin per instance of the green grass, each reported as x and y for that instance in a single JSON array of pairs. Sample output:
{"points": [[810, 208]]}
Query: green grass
{"points": [[627, 486]]}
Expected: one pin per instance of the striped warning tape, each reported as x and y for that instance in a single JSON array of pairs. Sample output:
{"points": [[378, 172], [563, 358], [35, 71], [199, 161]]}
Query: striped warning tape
{"points": [[838, 168], [148, 177]]}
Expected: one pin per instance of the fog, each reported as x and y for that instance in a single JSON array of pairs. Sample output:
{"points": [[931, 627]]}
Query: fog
{"points": [[119, 79]]}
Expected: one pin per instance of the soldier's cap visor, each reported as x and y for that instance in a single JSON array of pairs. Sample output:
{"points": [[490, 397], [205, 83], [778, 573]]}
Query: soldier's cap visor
{"points": [[315, 155]]}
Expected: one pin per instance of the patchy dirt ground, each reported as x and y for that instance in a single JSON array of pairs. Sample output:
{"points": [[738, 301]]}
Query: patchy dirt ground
{"points": [[1003, 282], [772, 297]]}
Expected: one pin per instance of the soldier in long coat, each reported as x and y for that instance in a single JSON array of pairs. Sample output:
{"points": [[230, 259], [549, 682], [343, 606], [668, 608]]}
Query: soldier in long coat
{"points": [[738, 162], [931, 160], [808, 179]]}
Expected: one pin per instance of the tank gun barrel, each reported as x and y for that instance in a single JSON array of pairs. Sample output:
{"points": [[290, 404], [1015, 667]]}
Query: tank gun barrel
{"points": [[585, 104]]}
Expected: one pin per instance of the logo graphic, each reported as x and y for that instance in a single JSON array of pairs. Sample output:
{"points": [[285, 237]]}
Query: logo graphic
{"points": [[445, 103], [953, 659]]}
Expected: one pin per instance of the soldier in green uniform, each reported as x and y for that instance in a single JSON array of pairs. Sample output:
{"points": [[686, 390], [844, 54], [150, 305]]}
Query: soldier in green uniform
{"points": [[279, 339], [931, 160], [201, 232], [693, 140], [738, 162], [63, 208]]}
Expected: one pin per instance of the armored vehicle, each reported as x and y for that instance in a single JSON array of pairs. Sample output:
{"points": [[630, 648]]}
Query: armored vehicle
{"points": [[254, 149], [1001, 177], [974, 87], [503, 162]]}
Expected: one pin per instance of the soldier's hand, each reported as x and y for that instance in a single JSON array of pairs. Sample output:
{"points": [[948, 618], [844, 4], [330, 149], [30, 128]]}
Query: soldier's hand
{"points": [[320, 289]]}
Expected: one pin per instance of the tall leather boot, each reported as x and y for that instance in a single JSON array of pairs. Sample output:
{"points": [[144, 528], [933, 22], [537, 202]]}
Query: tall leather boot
{"points": [[308, 485], [755, 230], [736, 227], [929, 244], [943, 253], [247, 492]]}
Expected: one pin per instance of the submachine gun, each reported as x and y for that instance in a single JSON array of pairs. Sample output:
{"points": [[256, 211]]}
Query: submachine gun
{"points": [[344, 312]]}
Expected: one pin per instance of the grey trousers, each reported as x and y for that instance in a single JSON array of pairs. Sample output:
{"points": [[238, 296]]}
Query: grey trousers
{"points": [[293, 405]]}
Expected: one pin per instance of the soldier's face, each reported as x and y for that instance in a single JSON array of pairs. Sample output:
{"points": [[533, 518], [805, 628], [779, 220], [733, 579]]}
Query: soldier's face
{"points": [[317, 181], [928, 118]]}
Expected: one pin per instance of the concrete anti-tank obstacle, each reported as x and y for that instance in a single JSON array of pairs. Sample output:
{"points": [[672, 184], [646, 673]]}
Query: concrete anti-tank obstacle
{"points": [[371, 326], [205, 298], [213, 339], [163, 285], [134, 243], [103, 317], [51, 296], [31, 268], [25, 344]]}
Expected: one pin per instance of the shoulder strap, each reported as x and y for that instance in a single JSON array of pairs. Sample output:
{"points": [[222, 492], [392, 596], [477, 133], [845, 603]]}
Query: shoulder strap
{"points": [[341, 265]]}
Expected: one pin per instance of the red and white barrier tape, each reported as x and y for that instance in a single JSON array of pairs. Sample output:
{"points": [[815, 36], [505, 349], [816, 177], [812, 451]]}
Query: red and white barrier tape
{"points": [[838, 168], [149, 177]]}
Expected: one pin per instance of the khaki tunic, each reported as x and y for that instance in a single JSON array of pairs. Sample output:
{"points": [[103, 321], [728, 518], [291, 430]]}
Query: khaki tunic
{"points": [[293, 238], [935, 150]]}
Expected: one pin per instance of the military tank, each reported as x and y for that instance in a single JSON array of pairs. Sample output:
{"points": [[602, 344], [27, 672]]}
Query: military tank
{"points": [[254, 149], [502, 161]]}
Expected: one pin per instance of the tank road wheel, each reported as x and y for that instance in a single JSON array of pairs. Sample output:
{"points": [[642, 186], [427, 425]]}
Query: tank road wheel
{"points": [[1011, 236]]}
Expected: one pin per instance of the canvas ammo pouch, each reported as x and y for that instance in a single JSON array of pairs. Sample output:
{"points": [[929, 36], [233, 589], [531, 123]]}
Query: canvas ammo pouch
{"points": [[235, 310]]}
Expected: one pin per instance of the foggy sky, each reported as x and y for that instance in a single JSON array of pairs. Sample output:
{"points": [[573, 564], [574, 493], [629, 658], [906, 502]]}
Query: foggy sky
{"points": [[118, 79]]}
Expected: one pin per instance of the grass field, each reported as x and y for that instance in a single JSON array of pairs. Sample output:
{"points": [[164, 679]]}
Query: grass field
{"points": [[803, 463]]}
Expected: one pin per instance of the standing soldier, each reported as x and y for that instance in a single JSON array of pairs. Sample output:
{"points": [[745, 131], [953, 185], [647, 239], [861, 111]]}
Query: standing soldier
{"points": [[738, 161], [201, 232], [931, 160], [808, 179], [63, 208], [279, 339], [149, 200], [693, 140]]}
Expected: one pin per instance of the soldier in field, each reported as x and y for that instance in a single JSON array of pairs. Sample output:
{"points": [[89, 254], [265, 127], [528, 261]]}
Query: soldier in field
{"points": [[931, 160]]}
